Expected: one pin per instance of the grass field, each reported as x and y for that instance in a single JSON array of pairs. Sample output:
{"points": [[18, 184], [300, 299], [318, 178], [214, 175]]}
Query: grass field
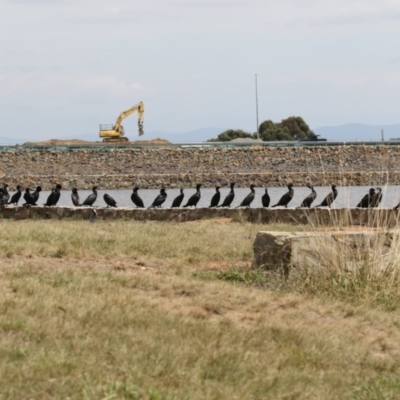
{"points": [[130, 310]]}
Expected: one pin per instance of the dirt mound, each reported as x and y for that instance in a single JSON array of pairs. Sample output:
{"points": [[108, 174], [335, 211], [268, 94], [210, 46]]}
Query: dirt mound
{"points": [[158, 141], [58, 142], [74, 142]]}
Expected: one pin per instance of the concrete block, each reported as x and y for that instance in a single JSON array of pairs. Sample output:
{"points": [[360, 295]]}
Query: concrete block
{"points": [[347, 250]]}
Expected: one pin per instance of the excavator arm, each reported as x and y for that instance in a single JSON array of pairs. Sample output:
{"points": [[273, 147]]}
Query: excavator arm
{"points": [[140, 109]]}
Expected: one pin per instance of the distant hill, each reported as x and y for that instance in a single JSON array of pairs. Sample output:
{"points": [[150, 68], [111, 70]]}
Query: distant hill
{"points": [[358, 132], [8, 140]]}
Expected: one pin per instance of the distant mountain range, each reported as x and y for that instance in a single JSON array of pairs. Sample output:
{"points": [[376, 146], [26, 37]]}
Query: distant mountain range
{"points": [[346, 132], [358, 132]]}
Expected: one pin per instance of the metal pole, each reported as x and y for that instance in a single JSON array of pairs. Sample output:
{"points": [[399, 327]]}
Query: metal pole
{"points": [[258, 135]]}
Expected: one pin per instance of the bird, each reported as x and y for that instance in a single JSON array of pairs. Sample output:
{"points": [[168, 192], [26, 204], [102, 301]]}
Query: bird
{"points": [[330, 198], [229, 198], [160, 199], [5, 196], [306, 203], [54, 196], [1, 198], [109, 200], [265, 199], [16, 196], [286, 198], [35, 195], [249, 198], [194, 199], [136, 198], [90, 200], [377, 197], [27, 197], [75, 197], [178, 200], [367, 200], [216, 198]]}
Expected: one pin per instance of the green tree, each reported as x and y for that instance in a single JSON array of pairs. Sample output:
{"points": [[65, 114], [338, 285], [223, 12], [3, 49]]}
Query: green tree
{"points": [[292, 128], [297, 127], [231, 134]]}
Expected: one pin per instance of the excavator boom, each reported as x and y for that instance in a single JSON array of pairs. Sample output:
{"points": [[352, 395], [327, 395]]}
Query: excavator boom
{"points": [[116, 132]]}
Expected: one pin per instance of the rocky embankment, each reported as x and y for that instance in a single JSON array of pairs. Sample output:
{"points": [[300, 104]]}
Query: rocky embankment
{"points": [[175, 167]]}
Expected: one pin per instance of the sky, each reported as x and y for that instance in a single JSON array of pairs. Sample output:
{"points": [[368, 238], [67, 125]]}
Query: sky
{"points": [[69, 65]]}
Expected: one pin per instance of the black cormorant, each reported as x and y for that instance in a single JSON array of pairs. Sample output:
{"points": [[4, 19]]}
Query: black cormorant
{"points": [[286, 198], [27, 197], [160, 199], [367, 200], [90, 200], [109, 200], [54, 196], [330, 198], [178, 200], [216, 198], [377, 197], [5, 196], [229, 198], [249, 198], [136, 198], [75, 197], [306, 203], [16, 196], [194, 199], [35, 195], [265, 199]]}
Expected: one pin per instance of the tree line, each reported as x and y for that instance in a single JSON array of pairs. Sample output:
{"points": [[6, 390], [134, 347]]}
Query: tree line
{"points": [[292, 128]]}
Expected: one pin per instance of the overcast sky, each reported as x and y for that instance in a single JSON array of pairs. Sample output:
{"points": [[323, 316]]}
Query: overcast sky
{"points": [[68, 65]]}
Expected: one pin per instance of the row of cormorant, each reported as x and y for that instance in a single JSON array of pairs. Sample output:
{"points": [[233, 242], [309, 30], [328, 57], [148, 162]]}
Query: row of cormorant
{"points": [[370, 200]]}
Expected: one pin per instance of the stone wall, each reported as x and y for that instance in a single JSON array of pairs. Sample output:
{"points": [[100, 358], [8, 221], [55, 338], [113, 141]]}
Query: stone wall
{"points": [[314, 217], [175, 167]]}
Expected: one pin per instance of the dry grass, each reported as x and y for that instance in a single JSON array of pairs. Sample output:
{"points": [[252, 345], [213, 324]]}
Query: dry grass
{"points": [[107, 311]]}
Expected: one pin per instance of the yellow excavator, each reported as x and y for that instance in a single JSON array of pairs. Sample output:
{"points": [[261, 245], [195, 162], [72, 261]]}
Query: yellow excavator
{"points": [[115, 133]]}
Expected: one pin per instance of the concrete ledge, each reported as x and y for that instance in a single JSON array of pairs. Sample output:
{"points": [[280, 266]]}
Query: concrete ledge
{"points": [[313, 216], [344, 250]]}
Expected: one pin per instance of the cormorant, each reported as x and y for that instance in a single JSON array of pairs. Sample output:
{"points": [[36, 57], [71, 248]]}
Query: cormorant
{"points": [[194, 199], [27, 197], [306, 203], [377, 197], [91, 198], [286, 198], [229, 198], [109, 200], [5, 196], [178, 200], [249, 198], [75, 197], [160, 199], [54, 196], [216, 198], [35, 195], [16, 196], [367, 200], [1, 197], [330, 198], [136, 198], [265, 199]]}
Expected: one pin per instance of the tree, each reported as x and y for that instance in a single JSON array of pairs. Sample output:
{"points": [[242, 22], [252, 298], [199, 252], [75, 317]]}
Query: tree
{"points": [[297, 127], [231, 134], [292, 128]]}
